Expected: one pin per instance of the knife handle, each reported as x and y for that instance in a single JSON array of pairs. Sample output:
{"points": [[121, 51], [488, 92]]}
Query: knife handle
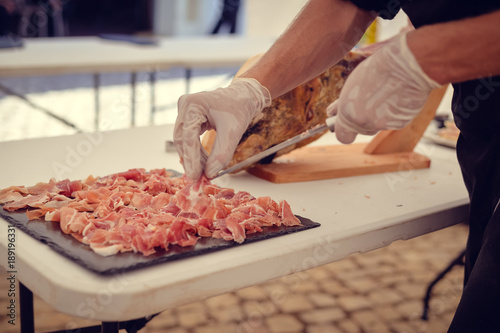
{"points": [[330, 122]]}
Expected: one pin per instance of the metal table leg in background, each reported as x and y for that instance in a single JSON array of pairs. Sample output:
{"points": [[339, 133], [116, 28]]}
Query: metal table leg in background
{"points": [[97, 81], [188, 79], [35, 106], [26, 309], [152, 83], [133, 81], [27, 318], [458, 261]]}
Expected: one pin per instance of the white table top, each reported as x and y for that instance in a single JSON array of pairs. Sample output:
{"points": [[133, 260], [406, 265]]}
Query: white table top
{"points": [[357, 214], [52, 56]]}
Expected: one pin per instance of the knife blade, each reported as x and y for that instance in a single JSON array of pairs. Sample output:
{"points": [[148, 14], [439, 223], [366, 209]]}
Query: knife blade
{"points": [[328, 125]]}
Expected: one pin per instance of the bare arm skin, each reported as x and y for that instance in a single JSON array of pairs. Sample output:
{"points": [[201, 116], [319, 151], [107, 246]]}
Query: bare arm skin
{"points": [[322, 33], [459, 50]]}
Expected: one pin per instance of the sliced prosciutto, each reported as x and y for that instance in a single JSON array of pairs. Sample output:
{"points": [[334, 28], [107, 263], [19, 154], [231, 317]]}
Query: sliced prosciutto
{"points": [[144, 212]]}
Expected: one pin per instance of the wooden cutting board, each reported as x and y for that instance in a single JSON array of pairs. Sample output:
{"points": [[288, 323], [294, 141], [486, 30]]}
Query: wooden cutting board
{"points": [[326, 162], [389, 151]]}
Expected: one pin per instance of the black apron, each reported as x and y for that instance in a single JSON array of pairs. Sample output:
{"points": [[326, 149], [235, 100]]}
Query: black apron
{"points": [[476, 110]]}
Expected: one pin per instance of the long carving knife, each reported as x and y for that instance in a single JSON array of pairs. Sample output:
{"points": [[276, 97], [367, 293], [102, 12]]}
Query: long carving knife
{"points": [[329, 125]]}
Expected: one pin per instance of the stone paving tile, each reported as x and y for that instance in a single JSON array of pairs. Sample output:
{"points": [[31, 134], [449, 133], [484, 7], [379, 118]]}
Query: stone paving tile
{"points": [[321, 300], [192, 318], [384, 297], [334, 287], [381, 296], [347, 276], [354, 302], [306, 287], [284, 324], [222, 301], [254, 293], [402, 327], [378, 271], [367, 319], [362, 285], [388, 313], [323, 329], [264, 308], [393, 279], [276, 288], [231, 314], [217, 328], [295, 303], [319, 274], [410, 290], [321, 316], [170, 330], [349, 326]]}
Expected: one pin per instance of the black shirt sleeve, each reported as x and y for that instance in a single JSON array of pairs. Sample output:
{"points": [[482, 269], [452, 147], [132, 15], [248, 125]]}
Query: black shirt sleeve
{"points": [[386, 9]]}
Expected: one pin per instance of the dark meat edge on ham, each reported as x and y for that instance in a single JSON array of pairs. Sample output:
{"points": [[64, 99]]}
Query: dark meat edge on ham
{"points": [[141, 211]]}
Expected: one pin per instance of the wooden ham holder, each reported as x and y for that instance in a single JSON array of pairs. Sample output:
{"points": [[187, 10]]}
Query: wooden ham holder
{"points": [[389, 151]]}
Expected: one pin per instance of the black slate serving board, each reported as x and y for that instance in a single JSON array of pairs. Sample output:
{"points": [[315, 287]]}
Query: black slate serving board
{"points": [[50, 233]]}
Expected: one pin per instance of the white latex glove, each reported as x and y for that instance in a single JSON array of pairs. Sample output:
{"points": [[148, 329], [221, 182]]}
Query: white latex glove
{"points": [[386, 91], [227, 110]]}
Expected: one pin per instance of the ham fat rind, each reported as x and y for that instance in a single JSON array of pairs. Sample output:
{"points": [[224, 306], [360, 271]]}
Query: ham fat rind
{"points": [[145, 211]]}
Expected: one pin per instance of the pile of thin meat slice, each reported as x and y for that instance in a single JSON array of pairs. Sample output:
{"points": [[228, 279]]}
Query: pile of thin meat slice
{"points": [[143, 211]]}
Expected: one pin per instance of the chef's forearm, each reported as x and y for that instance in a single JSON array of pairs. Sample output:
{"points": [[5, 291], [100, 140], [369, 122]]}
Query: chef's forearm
{"points": [[460, 50], [323, 32]]}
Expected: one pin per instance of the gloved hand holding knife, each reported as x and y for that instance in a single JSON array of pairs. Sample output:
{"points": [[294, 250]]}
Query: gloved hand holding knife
{"points": [[227, 110]]}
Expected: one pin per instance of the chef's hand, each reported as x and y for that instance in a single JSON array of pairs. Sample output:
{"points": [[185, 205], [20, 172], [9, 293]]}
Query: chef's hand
{"points": [[385, 91], [227, 110]]}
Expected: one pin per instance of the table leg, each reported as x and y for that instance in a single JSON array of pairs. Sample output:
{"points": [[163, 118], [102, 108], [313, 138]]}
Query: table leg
{"points": [[27, 317], [97, 82], [188, 79], [457, 261], [35, 106], [152, 82], [26, 309], [133, 81], [110, 327]]}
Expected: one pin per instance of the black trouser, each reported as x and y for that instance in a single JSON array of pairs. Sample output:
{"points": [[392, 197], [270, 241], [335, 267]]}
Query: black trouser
{"points": [[479, 308]]}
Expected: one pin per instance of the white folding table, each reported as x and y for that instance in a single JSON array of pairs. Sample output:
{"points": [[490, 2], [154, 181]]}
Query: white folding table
{"points": [[357, 214], [93, 55]]}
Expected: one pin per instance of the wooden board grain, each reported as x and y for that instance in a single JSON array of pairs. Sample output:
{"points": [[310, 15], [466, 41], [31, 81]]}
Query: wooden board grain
{"points": [[335, 161]]}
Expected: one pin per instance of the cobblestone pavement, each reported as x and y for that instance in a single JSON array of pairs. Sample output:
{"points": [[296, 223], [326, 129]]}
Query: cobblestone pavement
{"points": [[375, 292]]}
